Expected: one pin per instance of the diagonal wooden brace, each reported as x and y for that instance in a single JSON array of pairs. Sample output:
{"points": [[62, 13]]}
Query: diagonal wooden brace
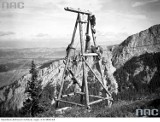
{"points": [[98, 79]]}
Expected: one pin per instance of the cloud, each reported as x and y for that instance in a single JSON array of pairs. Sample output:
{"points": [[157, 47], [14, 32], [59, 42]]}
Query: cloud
{"points": [[6, 33], [41, 7], [141, 3]]}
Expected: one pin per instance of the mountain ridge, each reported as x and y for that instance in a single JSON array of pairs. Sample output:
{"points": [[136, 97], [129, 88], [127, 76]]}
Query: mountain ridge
{"points": [[137, 44]]}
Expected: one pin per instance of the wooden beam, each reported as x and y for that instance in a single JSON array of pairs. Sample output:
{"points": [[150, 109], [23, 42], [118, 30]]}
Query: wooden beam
{"points": [[82, 51], [96, 96], [74, 31], [82, 90], [92, 95], [90, 54], [68, 95], [74, 78], [73, 75], [87, 29], [81, 35], [62, 83], [77, 10], [84, 82], [87, 33], [79, 93], [77, 104], [97, 78], [97, 101]]}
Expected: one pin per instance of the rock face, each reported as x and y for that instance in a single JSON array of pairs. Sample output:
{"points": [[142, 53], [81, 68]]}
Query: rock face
{"points": [[13, 95], [137, 60], [141, 73], [136, 45]]}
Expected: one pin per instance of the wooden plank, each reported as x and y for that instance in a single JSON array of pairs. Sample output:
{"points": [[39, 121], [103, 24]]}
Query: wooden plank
{"points": [[100, 97], [96, 96], [77, 10], [89, 95], [79, 93], [68, 95], [77, 104], [104, 98], [90, 54], [97, 101]]}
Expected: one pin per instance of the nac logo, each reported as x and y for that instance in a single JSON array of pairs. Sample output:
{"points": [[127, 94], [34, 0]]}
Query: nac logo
{"points": [[147, 112], [12, 5]]}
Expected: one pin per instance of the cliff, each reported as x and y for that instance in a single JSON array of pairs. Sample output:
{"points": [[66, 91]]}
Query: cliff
{"points": [[137, 60], [147, 41]]}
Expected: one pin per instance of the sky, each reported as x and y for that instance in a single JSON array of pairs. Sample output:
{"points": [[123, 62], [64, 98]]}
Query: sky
{"points": [[45, 23]]}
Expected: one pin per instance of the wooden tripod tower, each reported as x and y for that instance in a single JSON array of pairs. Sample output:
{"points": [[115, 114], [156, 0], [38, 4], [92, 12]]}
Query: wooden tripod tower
{"points": [[84, 88]]}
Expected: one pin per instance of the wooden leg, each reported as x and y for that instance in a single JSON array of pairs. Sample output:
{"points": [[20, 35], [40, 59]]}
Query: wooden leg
{"points": [[62, 84], [82, 90], [86, 85], [66, 66]]}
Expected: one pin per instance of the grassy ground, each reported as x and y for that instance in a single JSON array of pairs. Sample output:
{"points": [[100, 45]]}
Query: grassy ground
{"points": [[118, 109], [124, 106]]}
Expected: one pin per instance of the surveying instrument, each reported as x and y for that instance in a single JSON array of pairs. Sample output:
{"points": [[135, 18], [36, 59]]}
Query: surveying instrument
{"points": [[84, 54]]}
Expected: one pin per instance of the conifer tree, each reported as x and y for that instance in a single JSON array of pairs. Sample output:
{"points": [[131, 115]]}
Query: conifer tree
{"points": [[33, 90]]}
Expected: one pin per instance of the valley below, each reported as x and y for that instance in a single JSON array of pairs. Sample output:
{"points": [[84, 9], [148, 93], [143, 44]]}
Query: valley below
{"points": [[14, 63]]}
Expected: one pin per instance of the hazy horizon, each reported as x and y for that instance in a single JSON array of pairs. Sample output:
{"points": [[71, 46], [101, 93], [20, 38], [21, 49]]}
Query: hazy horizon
{"points": [[26, 44]]}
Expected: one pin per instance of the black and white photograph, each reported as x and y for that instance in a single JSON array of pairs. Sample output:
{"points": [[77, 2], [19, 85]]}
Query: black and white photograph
{"points": [[79, 59]]}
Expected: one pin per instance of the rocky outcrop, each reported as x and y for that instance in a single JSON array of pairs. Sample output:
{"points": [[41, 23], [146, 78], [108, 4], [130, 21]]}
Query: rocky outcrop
{"points": [[13, 95], [137, 60], [141, 73], [147, 41]]}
